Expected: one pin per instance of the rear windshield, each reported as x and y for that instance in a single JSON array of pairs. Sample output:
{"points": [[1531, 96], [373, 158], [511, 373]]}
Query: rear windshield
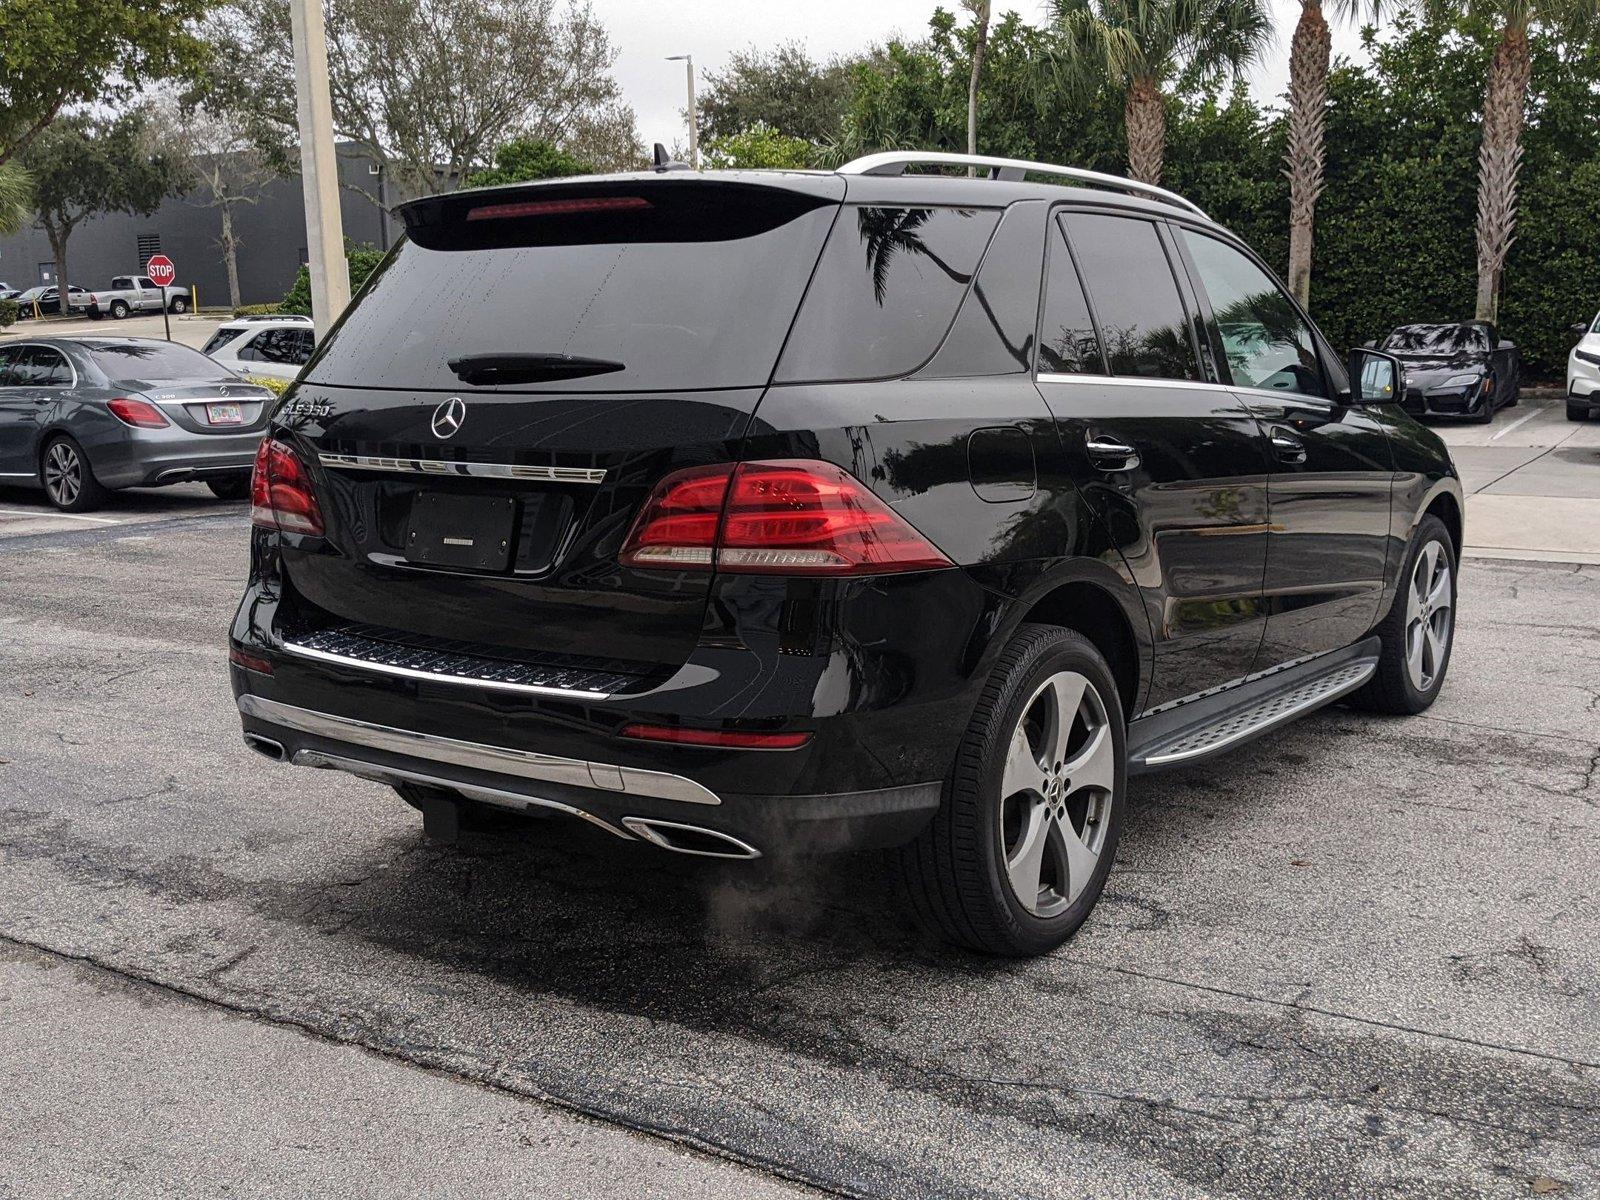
{"points": [[1436, 339], [152, 361], [696, 289]]}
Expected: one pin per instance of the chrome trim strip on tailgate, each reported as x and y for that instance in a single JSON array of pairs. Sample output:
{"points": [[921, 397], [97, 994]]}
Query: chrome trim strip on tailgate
{"points": [[478, 470], [382, 668], [478, 756]]}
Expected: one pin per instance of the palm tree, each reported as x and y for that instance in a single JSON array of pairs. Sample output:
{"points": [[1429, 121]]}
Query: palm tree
{"points": [[16, 198], [1504, 97], [1309, 55], [980, 20], [1143, 45]]}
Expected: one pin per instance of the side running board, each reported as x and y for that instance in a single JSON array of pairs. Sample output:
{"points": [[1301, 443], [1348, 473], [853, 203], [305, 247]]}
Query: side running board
{"points": [[1219, 722]]}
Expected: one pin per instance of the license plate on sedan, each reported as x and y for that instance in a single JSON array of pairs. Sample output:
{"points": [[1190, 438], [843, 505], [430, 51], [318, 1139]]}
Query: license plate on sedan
{"points": [[224, 414]]}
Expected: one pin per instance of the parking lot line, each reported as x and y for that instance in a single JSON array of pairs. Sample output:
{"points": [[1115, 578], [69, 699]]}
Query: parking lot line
{"points": [[1520, 421], [45, 514]]}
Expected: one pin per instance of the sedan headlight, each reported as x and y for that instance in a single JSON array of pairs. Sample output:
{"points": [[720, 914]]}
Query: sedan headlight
{"points": [[1467, 380], [1587, 357]]}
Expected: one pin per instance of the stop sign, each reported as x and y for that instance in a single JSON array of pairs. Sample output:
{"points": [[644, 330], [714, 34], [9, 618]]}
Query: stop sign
{"points": [[160, 270]]}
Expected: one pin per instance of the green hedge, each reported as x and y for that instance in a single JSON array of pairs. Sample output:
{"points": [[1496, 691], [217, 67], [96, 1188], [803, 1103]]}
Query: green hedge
{"points": [[362, 261], [9, 309]]}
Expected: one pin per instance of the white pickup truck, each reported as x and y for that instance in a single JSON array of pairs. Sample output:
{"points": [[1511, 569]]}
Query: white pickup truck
{"points": [[135, 293]]}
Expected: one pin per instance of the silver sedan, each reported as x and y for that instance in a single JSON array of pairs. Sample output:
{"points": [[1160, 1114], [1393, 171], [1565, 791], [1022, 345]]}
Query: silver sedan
{"points": [[82, 416]]}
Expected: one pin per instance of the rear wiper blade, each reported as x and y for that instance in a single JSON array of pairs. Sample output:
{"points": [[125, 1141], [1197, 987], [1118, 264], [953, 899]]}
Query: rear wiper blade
{"points": [[528, 368]]}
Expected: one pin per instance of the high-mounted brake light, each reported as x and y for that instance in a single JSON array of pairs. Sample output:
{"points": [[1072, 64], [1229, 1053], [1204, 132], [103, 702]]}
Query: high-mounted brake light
{"points": [[784, 517], [730, 739], [551, 208], [139, 413], [280, 491]]}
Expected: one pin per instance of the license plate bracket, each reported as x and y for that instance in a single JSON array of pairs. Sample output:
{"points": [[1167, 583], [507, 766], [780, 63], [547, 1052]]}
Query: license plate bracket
{"points": [[224, 414], [447, 529]]}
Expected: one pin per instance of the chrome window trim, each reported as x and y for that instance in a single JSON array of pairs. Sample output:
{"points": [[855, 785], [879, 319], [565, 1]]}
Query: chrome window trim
{"points": [[526, 689], [1152, 381], [477, 470], [479, 756]]}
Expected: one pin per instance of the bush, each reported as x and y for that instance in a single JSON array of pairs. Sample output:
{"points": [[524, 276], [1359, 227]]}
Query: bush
{"points": [[524, 159], [362, 260], [276, 386], [8, 312]]}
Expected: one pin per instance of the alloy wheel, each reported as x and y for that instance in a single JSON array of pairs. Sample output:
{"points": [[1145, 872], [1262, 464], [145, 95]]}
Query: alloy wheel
{"points": [[63, 474], [1056, 793], [1428, 605]]}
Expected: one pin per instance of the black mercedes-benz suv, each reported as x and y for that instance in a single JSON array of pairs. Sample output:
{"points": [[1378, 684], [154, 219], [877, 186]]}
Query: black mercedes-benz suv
{"points": [[748, 513]]}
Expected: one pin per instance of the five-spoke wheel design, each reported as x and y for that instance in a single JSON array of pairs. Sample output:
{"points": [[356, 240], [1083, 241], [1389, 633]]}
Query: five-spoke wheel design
{"points": [[63, 474], [1428, 604], [1056, 793]]}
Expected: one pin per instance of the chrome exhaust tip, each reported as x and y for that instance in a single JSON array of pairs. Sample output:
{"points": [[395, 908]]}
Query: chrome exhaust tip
{"points": [[264, 745], [689, 839]]}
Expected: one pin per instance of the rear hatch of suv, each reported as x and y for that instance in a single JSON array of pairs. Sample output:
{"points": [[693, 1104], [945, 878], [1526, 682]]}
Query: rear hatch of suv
{"points": [[488, 418]]}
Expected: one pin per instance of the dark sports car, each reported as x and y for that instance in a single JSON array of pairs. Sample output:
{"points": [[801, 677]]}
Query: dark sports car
{"points": [[1460, 369]]}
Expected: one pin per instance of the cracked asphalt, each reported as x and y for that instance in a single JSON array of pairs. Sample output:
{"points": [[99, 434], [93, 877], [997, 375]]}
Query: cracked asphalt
{"points": [[1359, 957]]}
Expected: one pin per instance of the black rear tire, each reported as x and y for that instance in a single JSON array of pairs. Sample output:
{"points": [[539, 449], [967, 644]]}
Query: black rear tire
{"points": [[955, 875], [1392, 690], [68, 477], [178, 305], [118, 310], [1577, 412], [231, 487]]}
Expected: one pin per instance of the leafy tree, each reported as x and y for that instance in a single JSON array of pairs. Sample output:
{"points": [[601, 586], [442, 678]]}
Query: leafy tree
{"points": [[759, 146], [1504, 99], [362, 260], [226, 160], [783, 88], [1309, 61], [524, 159], [1144, 45], [83, 168], [429, 88], [57, 53]]}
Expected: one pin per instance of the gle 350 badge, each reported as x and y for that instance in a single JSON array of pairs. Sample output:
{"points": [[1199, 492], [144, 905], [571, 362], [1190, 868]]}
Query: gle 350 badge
{"points": [[306, 408]]}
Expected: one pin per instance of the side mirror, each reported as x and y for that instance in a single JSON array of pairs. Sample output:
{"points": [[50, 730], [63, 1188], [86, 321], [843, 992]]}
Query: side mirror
{"points": [[1375, 377], [1370, 344], [1578, 327], [1505, 345]]}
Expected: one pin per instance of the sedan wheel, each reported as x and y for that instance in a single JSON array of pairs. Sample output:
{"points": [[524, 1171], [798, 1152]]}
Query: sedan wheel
{"points": [[68, 479], [1056, 794], [1428, 611]]}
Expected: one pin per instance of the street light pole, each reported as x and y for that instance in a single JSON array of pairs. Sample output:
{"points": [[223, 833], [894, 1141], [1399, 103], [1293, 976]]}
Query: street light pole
{"points": [[694, 123], [319, 167]]}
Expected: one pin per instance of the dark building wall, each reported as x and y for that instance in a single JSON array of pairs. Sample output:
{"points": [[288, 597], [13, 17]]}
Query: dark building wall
{"points": [[272, 235]]}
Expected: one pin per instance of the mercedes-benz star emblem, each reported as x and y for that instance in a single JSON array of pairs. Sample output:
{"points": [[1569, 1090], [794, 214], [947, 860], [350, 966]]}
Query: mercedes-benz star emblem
{"points": [[448, 416]]}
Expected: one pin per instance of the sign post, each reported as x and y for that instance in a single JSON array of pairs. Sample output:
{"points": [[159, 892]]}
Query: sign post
{"points": [[162, 273]]}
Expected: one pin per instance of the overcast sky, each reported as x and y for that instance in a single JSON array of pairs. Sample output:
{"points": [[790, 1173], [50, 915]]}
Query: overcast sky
{"points": [[646, 31]]}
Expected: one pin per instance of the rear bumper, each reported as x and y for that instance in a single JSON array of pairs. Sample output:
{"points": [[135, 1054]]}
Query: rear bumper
{"points": [[884, 685], [146, 457]]}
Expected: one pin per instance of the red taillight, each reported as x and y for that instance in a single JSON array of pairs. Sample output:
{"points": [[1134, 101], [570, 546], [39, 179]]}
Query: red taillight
{"points": [[550, 208], [280, 491], [734, 739], [250, 662], [138, 413], [789, 517]]}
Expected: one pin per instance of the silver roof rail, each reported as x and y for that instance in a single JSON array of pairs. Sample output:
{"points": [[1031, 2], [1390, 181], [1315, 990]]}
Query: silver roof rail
{"points": [[894, 162]]}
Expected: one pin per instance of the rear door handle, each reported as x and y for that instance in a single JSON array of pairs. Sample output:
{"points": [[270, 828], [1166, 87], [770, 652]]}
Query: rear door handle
{"points": [[1109, 454], [1288, 448]]}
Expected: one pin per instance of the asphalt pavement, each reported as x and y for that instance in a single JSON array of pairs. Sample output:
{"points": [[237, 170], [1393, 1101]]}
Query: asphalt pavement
{"points": [[1359, 957]]}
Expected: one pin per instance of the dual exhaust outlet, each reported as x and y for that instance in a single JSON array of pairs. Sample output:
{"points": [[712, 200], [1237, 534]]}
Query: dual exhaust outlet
{"points": [[677, 836]]}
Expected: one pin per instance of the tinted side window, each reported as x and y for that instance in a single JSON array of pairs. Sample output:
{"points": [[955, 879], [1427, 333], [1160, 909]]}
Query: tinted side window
{"points": [[7, 357], [885, 291], [219, 339], [1135, 296], [301, 344], [1265, 339], [40, 366], [1068, 343], [993, 333]]}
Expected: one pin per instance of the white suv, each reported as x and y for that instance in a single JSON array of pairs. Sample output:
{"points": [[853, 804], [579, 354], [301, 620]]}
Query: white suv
{"points": [[276, 347], [1583, 373]]}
